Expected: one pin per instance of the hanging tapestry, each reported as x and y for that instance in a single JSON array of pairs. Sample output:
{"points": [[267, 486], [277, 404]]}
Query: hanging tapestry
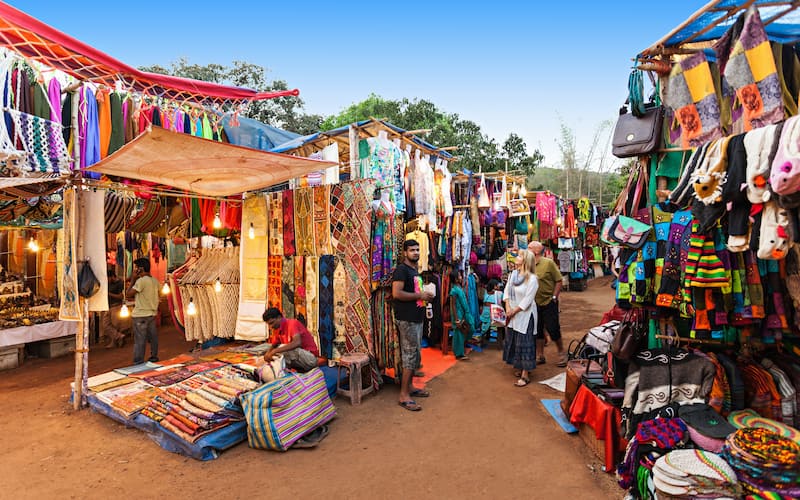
{"points": [[383, 242], [388, 346], [338, 219], [287, 284], [357, 199], [253, 264], [94, 244], [693, 106], [339, 309], [68, 291], [322, 220], [118, 210], [274, 281], [312, 297], [326, 267], [275, 224], [749, 76], [43, 141], [304, 221], [300, 289], [288, 223]]}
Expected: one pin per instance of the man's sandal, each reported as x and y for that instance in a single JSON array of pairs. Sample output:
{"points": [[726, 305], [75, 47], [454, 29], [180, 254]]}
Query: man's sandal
{"points": [[410, 405]]}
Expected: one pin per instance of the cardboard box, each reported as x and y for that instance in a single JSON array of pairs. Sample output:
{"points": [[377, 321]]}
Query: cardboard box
{"points": [[53, 348], [11, 356]]}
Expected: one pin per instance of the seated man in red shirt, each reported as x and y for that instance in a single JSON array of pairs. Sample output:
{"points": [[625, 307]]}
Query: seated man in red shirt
{"points": [[291, 339]]}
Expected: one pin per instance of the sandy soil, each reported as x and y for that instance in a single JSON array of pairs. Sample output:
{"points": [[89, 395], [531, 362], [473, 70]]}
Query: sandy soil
{"points": [[478, 436]]}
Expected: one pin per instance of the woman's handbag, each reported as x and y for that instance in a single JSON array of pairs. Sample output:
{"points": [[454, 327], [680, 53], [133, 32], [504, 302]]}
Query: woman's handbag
{"points": [[629, 232], [638, 132], [281, 412], [631, 335]]}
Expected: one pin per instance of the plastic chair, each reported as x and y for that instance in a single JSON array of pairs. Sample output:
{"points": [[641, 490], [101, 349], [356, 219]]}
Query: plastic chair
{"points": [[353, 363]]}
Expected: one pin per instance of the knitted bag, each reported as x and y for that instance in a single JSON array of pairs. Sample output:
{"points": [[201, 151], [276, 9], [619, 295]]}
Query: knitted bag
{"points": [[148, 218]]}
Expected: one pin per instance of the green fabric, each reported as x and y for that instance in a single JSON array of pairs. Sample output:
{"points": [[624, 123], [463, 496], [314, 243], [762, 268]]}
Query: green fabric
{"points": [[117, 124], [669, 165], [41, 103]]}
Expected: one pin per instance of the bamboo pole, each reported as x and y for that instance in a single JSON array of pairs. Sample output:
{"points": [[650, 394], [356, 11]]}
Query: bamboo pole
{"points": [[81, 356]]}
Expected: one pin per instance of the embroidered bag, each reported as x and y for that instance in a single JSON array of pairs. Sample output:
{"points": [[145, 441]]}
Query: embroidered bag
{"points": [[629, 232]]}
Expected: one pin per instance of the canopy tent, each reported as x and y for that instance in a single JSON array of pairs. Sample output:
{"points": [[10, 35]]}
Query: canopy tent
{"points": [[37, 41], [202, 166], [306, 145], [781, 20], [253, 134], [13, 188]]}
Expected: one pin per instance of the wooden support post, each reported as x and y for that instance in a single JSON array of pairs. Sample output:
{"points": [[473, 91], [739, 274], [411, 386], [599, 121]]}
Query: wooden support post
{"points": [[82, 332], [354, 159]]}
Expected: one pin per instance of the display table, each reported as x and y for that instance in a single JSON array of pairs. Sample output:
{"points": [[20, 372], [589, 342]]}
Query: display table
{"points": [[604, 418], [42, 331]]}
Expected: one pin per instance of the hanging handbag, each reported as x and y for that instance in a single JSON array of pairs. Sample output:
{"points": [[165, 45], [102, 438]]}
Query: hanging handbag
{"points": [[88, 283], [631, 335], [638, 132], [629, 232]]}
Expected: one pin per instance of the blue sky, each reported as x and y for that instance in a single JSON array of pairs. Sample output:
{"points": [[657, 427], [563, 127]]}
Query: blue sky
{"points": [[508, 66]]}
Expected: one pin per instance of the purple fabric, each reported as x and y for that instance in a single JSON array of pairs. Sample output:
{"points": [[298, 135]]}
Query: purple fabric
{"points": [[54, 95], [89, 130]]}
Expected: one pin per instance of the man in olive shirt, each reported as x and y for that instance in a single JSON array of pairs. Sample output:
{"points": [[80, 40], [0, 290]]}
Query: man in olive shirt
{"points": [[145, 288], [550, 283]]}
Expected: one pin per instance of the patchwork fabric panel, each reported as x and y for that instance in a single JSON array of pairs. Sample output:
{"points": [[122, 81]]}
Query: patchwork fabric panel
{"points": [[338, 219], [339, 309], [749, 76], [692, 102]]}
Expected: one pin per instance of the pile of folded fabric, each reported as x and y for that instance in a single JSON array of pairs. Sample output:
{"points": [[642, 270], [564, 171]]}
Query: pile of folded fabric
{"points": [[765, 462], [694, 474]]}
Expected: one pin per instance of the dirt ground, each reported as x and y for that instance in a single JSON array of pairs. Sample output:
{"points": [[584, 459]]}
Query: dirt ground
{"points": [[478, 436]]}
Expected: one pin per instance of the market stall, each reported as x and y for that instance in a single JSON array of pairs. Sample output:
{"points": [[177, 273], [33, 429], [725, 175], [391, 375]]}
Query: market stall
{"points": [[705, 364]]}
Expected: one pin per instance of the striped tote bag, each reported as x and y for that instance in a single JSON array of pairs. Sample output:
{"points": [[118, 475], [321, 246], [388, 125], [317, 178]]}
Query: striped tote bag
{"points": [[281, 412]]}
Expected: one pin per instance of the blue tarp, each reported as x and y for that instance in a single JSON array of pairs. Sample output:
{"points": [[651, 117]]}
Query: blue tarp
{"points": [[255, 135], [300, 141], [786, 29]]}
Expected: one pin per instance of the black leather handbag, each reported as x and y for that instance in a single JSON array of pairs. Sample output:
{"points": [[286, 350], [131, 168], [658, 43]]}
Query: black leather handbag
{"points": [[637, 135]]}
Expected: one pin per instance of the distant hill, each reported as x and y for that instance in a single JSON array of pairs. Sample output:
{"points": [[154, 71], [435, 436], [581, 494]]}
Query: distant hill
{"points": [[581, 183]]}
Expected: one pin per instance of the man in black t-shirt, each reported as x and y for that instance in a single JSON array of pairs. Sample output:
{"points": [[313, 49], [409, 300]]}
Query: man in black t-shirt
{"points": [[409, 314]]}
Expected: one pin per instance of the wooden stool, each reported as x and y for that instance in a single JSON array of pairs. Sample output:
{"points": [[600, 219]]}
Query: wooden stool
{"points": [[353, 364]]}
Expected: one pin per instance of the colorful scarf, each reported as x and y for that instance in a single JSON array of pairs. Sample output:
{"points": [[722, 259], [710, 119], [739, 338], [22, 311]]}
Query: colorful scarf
{"points": [[312, 297], [692, 103], [43, 142]]}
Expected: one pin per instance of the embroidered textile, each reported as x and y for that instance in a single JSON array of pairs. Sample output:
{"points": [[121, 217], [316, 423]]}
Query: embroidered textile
{"points": [[70, 308], [339, 309], [300, 289], [288, 223], [304, 221], [275, 224], [327, 264], [287, 287], [312, 297], [274, 281], [43, 142], [691, 99], [322, 222]]}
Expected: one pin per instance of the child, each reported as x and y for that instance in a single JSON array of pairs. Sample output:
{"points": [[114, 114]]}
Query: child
{"points": [[493, 296]]}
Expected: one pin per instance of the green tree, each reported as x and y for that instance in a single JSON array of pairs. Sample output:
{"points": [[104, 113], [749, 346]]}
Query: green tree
{"points": [[283, 112]]}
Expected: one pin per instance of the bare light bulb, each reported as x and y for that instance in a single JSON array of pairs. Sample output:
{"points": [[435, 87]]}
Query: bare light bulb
{"points": [[217, 286], [165, 289], [217, 224], [123, 311], [191, 309], [251, 233], [33, 245]]}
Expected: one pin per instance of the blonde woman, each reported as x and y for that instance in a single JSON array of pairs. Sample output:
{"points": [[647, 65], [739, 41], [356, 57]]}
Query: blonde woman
{"points": [[520, 343]]}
